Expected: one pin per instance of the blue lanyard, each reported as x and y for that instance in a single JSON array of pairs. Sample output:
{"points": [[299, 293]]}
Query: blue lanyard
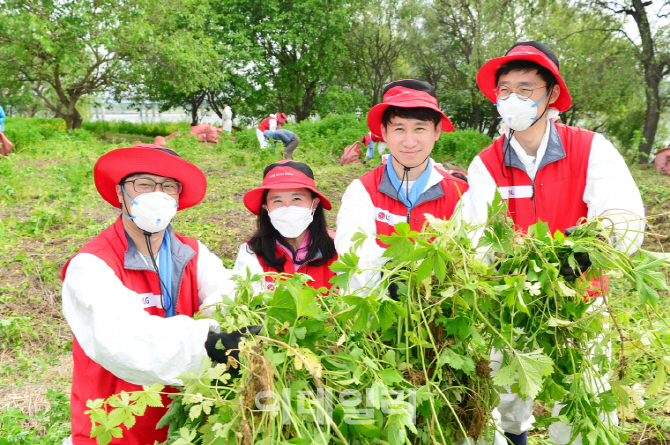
{"points": [[418, 187], [165, 270]]}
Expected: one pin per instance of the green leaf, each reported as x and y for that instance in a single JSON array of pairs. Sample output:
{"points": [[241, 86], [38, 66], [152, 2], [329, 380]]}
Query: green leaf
{"points": [[368, 362], [366, 429], [440, 268], [390, 376], [457, 361], [424, 270], [532, 367], [300, 332], [659, 381]]}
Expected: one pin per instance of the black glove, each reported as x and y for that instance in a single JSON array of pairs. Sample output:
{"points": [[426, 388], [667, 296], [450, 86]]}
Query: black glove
{"points": [[229, 341], [581, 258], [394, 286], [460, 176]]}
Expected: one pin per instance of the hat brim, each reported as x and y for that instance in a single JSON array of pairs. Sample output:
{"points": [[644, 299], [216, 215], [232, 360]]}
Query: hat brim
{"points": [[486, 78], [375, 115], [253, 199], [121, 162]]}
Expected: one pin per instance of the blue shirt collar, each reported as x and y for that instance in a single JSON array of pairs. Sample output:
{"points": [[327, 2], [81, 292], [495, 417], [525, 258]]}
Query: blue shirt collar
{"points": [[400, 187]]}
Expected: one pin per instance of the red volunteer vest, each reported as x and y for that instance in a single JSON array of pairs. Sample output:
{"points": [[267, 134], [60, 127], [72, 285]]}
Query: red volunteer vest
{"points": [[389, 211], [556, 195], [320, 274], [265, 124], [92, 381]]}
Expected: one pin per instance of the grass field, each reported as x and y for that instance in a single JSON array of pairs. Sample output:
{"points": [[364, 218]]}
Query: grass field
{"points": [[49, 208]]}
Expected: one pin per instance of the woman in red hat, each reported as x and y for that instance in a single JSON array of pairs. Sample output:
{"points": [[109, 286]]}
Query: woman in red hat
{"points": [[291, 234], [130, 294]]}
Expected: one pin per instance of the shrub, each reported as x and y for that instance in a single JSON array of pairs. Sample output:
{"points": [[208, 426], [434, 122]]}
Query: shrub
{"points": [[460, 146], [152, 129]]}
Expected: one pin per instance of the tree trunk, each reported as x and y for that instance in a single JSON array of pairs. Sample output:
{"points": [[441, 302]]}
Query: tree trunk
{"points": [[652, 79], [194, 110], [492, 133], [653, 74]]}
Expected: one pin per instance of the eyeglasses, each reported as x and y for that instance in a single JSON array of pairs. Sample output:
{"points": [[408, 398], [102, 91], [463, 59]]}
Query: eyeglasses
{"points": [[523, 92], [146, 185]]}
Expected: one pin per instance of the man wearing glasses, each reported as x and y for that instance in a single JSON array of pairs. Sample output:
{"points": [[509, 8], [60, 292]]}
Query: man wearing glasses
{"points": [[130, 294], [548, 172]]}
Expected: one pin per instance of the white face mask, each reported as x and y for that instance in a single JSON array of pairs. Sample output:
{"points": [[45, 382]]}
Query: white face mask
{"points": [[518, 113], [291, 221], [152, 212]]}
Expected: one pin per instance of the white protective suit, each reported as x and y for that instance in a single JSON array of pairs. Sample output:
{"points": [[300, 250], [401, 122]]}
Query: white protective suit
{"points": [[128, 341], [227, 119], [610, 190]]}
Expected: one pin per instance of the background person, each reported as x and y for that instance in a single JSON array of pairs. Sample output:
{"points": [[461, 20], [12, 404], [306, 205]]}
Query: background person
{"points": [[129, 295], [272, 122], [289, 138], [369, 141], [227, 118], [547, 172], [291, 234], [2, 119], [407, 186]]}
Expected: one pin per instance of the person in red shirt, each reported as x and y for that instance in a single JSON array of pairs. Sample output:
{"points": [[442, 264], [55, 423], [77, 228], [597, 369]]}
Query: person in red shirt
{"points": [[129, 295], [406, 187], [273, 123], [550, 172], [291, 235]]}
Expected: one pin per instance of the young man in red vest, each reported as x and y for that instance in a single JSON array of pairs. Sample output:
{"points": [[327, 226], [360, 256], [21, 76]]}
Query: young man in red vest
{"points": [[547, 172], [129, 295], [405, 188], [273, 123]]}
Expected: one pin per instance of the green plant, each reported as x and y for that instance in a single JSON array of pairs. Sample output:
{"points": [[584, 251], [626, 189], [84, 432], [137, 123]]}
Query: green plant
{"points": [[460, 146], [14, 331], [54, 423], [418, 368]]}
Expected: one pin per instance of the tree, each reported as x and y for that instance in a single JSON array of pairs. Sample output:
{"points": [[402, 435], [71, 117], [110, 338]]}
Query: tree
{"points": [[653, 53], [78, 48], [456, 39], [376, 44], [182, 62], [596, 62], [288, 49]]}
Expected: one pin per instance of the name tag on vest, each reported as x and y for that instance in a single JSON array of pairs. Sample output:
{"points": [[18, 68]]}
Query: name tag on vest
{"points": [[516, 191], [150, 300], [388, 217]]}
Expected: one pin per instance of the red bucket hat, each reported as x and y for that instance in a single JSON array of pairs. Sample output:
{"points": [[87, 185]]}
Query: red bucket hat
{"points": [[283, 175], [115, 165], [534, 52], [281, 117], [407, 93]]}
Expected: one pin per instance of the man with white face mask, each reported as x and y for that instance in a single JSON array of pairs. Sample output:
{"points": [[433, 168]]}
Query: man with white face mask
{"points": [[129, 295], [291, 235], [547, 172]]}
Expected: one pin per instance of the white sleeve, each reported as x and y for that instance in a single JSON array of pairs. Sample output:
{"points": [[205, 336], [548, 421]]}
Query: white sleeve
{"points": [[214, 280], [357, 213], [611, 191], [114, 330], [480, 194], [246, 259], [273, 124]]}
